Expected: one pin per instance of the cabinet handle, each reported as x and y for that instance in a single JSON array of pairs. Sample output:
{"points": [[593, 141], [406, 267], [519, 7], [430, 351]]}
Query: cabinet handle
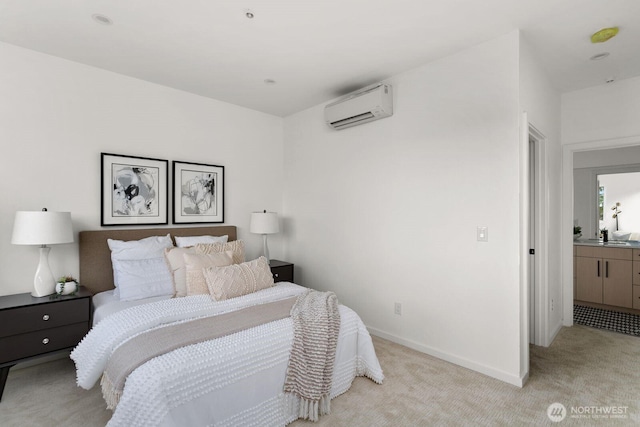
{"points": [[598, 268], [606, 269], [45, 317], [45, 341]]}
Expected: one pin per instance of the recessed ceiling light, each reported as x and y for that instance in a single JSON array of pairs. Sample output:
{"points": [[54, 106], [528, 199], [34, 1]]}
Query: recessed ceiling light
{"points": [[269, 81], [249, 14], [604, 35], [102, 19], [599, 56]]}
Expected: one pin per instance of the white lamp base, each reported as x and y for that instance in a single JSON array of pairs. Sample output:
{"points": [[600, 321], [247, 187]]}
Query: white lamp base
{"points": [[43, 284], [265, 248]]}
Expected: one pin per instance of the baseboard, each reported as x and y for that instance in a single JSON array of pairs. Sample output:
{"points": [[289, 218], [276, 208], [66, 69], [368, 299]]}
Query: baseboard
{"points": [[554, 333], [465, 363]]}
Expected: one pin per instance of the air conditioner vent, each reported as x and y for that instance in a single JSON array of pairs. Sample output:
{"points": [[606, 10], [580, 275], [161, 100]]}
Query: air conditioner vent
{"points": [[352, 120], [365, 105]]}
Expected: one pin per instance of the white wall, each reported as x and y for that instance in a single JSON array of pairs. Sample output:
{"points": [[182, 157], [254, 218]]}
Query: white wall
{"points": [[602, 112], [56, 116], [541, 101], [387, 212], [611, 157], [584, 202]]}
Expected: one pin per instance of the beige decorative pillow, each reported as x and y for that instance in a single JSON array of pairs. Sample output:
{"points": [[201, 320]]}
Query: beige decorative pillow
{"points": [[237, 246], [238, 279], [175, 261], [196, 263]]}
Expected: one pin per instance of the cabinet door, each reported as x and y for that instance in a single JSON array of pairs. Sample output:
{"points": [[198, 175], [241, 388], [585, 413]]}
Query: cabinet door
{"points": [[617, 283], [589, 272], [636, 272]]}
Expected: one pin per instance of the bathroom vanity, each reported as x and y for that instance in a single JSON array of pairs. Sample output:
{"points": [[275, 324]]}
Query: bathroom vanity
{"points": [[608, 273]]}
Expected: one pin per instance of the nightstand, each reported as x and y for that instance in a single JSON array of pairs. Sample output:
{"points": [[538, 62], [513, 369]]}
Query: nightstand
{"points": [[31, 327], [282, 271]]}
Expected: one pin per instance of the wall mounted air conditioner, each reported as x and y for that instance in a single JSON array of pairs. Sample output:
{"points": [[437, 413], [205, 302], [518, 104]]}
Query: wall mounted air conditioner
{"points": [[365, 105]]}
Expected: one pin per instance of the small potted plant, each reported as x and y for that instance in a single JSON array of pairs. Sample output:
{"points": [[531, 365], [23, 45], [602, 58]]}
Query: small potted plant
{"points": [[577, 232], [66, 285]]}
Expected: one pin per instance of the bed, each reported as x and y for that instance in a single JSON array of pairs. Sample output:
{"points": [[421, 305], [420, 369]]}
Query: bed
{"points": [[233, 379]]}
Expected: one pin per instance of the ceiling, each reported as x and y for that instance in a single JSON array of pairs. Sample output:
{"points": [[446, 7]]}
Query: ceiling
{"points": [[316, 50]]}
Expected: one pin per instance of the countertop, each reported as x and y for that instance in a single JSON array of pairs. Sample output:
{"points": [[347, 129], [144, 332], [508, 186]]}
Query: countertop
{"points": [[610, 243]]}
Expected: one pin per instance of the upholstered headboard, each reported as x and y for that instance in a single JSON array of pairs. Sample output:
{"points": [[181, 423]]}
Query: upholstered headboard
{"points": [[96, 272]]}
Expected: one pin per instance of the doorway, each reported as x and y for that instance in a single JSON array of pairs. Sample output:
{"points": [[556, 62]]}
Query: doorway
{"points": [[537, 274], [568, 214]]}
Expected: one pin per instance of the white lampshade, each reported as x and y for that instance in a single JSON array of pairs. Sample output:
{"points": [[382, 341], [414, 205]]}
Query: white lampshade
{"points": [[264, 223], [42, 228]]}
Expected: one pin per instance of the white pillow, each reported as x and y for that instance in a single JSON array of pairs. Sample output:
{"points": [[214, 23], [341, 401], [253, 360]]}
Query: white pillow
{"points": [[183, 242], [142, 278], [148, 248]]}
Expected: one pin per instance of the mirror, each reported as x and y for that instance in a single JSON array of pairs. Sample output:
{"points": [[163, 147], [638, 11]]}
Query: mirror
{"points": [[618, 205], [603, 178]]}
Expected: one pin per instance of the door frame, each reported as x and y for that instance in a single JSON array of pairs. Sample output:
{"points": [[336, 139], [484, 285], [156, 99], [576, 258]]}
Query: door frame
{"points": [[566, 238], [540, 242], [527, 131]]}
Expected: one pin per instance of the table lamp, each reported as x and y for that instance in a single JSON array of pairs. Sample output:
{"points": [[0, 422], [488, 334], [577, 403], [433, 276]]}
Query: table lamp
{"points": [[264, 223], [42, 228]]}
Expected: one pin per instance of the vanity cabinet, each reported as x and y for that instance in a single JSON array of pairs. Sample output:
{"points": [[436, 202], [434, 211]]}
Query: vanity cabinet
{"points": [[605, 275], [636, 279]]}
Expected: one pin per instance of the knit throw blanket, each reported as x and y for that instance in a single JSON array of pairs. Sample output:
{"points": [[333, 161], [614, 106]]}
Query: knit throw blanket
{"points": [[316, 324], [156, 342]]}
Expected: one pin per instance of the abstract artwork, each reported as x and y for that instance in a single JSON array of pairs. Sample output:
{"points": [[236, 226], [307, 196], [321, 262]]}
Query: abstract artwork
{"points": [[134, 190], [198, 193]]}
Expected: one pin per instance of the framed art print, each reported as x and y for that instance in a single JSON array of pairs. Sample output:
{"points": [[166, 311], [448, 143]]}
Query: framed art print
{"points": [[134, 190], [198, 193]]}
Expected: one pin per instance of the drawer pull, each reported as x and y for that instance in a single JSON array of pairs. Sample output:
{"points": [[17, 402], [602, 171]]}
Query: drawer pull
{"points": [[45, 317], [45, 341]]}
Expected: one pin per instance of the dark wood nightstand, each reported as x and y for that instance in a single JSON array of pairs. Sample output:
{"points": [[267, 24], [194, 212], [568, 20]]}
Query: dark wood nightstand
{"points": [[32, 327], [282, 271]]}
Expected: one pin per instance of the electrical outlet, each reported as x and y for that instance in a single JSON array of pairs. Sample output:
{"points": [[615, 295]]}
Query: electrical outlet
{"points": [[398, 309]]}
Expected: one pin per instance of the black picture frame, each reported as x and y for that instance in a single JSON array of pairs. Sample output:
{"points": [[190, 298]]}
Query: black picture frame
{"points": [[134, 190], [198, 193]]}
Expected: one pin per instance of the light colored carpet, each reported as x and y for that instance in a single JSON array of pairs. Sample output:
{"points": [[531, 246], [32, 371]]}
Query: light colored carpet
{"points": [[584, 367]]}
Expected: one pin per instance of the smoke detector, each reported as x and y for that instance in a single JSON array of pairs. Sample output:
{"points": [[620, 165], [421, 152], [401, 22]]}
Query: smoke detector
{"points": [[604, 35]]}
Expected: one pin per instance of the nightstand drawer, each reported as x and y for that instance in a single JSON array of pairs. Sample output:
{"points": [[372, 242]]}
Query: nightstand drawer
{"points": [[34, 343], [283, 273], [20, 320]]}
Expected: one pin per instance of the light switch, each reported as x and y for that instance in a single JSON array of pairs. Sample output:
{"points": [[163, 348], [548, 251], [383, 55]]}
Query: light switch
{"points": [[483, 234]]}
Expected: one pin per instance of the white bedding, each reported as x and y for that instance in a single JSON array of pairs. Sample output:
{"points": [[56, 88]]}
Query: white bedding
{"points": [[106, 303], [230, 381]]}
